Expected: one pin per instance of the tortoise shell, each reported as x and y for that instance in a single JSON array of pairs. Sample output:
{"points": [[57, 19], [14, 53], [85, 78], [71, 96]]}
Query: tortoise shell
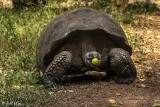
{"points": [[78, 19]]}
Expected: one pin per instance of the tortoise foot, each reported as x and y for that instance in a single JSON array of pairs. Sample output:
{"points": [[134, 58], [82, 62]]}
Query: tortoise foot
{"points": [[57, 69], [123, 66]]}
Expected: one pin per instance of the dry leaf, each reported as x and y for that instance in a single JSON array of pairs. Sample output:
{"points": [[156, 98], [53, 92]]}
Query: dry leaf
{"points": [[112, 101], [156, 105], [71, 91], [118, 94]]}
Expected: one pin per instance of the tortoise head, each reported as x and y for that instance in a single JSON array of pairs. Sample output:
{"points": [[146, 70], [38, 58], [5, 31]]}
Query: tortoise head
{"points": [[92, 59]]}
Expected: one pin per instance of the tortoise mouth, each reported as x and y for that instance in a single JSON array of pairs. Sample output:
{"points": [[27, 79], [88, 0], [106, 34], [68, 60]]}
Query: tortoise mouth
{"points": [[92, 59]]}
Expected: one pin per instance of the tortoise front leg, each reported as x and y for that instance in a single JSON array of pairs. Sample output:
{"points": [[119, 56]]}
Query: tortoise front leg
{"points": [[57, 69], [123, 70]]}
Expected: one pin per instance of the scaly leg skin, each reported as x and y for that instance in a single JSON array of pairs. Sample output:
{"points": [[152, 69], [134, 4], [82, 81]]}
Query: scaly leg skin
{"points": [[57, 69], [123, 69]]}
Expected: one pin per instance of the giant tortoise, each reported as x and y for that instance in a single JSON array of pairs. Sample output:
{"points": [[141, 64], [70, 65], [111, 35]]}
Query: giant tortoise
{"points": [[81, 40]]}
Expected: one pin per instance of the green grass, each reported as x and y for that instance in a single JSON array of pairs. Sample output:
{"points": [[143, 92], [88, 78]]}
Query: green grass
{"points": [[143, 8], [18, 37], [19, 32]]}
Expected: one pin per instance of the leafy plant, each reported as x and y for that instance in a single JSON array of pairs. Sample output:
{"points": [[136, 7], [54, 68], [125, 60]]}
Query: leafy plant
{"points": [[143, 8]]}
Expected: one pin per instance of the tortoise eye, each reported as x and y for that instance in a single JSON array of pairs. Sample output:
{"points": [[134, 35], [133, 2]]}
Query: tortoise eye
{"points": [[89, 58]]}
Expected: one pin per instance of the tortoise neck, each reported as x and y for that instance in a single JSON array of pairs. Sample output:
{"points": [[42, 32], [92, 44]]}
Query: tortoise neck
{"points": [[87, 45]]}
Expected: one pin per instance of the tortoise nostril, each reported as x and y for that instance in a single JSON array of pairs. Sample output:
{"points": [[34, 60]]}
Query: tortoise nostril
{"points": [[96, 56]]}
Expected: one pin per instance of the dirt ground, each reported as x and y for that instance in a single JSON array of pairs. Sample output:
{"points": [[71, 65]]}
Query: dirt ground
{"points": [[98, 91]]}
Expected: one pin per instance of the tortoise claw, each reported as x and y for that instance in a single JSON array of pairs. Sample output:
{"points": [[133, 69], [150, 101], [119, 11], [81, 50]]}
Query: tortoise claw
{"points": [[49, 84], [123, 80]]}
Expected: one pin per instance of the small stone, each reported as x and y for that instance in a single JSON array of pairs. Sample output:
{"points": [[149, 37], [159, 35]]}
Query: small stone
{"points": [[142, 86]]}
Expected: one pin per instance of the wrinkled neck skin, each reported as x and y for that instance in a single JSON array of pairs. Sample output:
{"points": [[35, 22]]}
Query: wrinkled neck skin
{"points": [[87, 45]]}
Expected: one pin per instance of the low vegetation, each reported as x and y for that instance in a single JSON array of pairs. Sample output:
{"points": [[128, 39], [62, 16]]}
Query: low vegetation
{"points": [[20, 81]]}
